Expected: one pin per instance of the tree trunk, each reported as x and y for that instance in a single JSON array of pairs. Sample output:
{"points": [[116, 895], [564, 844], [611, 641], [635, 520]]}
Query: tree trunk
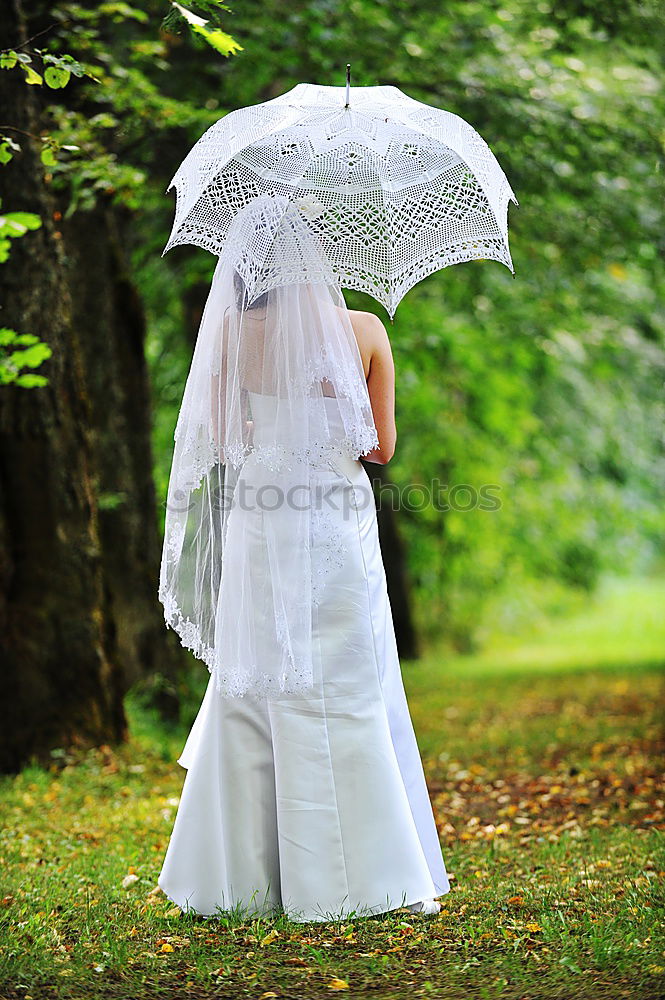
{"points": [[79, 551], [63, 683], [109, 319]]}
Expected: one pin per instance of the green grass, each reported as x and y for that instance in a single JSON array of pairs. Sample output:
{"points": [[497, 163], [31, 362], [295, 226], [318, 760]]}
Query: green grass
{"points": [[543, 757]]}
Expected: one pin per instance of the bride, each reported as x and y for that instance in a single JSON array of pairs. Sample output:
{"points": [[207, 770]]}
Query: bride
{"points": [[305, 792]]}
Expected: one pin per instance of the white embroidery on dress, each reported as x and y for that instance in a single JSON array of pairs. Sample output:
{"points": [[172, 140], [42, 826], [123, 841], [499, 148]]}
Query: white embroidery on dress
{"points": [[328, 550]]}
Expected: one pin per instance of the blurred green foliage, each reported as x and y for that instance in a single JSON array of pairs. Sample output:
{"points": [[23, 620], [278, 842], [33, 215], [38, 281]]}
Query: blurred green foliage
{"points": [[547, 387]]}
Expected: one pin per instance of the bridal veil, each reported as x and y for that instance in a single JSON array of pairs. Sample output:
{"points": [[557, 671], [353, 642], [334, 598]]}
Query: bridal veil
{"points": [[275, 339]]}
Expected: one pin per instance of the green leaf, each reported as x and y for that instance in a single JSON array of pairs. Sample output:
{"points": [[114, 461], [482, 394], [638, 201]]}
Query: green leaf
{"points": [[123, 10], [31, 357], [15, 224], [56, 76], [30, 381], [8, 336], [5, 153], [215, 37], [8, 59], [64, 62], [48, 157]]}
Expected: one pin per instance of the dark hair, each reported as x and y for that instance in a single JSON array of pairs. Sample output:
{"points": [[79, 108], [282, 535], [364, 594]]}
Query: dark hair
{"points": [[241, 294]]}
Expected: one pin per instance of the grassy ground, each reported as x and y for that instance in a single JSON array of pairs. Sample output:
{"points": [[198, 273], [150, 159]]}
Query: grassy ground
{"points": [[543, 762]]}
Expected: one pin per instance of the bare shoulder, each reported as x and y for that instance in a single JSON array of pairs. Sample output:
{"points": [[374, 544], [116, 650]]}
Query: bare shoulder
{"points": [[371, 335], [367, 324]]}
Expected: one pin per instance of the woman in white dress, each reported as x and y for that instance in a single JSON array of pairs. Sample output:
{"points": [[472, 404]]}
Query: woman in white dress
{"points": [[304, 791]]}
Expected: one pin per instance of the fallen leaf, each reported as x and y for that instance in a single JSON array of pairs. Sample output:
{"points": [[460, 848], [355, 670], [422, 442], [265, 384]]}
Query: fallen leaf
{"points": [[129, 880], [338, 984], [269, 938]]}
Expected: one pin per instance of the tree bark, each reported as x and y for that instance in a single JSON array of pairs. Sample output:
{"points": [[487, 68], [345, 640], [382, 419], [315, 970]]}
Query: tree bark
{"points": [[63, 683], [108, 317], [79, 548]]}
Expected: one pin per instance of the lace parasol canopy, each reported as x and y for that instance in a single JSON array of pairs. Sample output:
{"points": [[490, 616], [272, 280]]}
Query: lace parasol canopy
{"points": [[394, 189]]}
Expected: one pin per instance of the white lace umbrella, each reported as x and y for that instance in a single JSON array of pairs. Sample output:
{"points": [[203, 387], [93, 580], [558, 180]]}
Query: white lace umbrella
{"points": [[394, 189]]}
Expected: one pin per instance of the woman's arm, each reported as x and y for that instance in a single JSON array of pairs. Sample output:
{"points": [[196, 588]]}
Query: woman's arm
{"points": [[381, 386]]}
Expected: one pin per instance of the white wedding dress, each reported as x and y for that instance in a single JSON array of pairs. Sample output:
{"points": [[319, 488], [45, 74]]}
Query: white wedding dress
{"points": [[314, 804]]}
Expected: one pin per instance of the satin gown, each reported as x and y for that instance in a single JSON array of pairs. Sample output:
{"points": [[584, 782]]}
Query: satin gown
{"points": [[313, 805]]}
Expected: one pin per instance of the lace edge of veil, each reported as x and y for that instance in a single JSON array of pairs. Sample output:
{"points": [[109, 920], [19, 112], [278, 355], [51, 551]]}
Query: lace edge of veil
{"points": [[231, 684], [238, 683]]}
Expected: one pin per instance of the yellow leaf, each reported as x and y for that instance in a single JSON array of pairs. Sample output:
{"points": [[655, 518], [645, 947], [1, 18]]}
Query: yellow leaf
{"points": [[268, 994], [167, 947], [269, 938], [338, 984], [175, 911], [30, 75], [533, 928]]}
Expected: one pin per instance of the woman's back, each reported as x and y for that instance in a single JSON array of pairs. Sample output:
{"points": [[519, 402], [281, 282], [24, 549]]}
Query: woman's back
{"points": [[377, 359]]}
